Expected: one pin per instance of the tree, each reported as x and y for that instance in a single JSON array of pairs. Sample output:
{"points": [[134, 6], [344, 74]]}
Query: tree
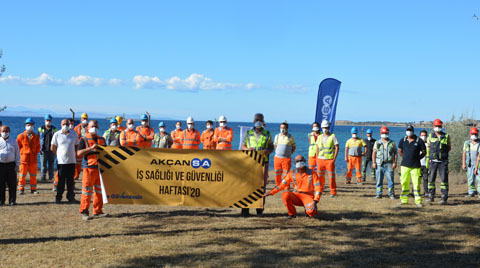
{"points": [[2, 68]]}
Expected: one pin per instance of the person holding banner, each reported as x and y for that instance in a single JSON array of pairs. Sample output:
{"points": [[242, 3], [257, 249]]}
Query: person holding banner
{"points": [[87, 149], [284, 147], [223, 135], [145, 133], [306, 191], [208, 136], [258, 139], [326, 156], [175, 134], [128, 137], [312, 147]]}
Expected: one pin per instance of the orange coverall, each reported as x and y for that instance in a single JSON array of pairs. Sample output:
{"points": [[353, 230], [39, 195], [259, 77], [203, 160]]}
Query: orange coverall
{"points": [[81, 132], [306, 190], [175, 134], [29, 149], [145, 136], [128, 138], [226, 133], [208, 139], [190, 139]]}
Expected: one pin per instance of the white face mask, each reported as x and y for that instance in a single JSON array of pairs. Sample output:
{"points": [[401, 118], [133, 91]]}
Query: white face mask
{"points": [[92, 130], [144, 123], [84, 122], [474, 137], [5, 135], [178, 126], [162, 129], [65, 128], [209, 126], [190, 126], [409, 133], [222, 124], [282, 130], [114, 127], [258, 124], [354, 135], [130, 126], [325, 130], [29, 128], [70, 126], [48, 123], [300, 164], [369, 138], [315, 129], [424, 138], [384, 136], [437, 129]]}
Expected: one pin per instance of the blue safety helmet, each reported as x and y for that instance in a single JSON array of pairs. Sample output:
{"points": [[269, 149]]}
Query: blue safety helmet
{"points": [[369, 131], [144, 117], [29, 121], [161, 124], [354, 130], [113, 120], [48, 117]]}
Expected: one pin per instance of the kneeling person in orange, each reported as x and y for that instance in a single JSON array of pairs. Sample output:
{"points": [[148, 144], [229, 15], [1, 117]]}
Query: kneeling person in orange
{"points": [[29, 147], [353, 156], [306, 189], [87, 149]]}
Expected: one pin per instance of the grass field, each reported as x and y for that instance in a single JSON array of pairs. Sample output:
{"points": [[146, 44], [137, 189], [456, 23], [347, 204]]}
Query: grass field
{"points": [[351, 230]]}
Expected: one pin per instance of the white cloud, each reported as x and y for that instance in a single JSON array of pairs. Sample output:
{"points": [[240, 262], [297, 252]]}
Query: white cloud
{"points": [[194, 82], [85, 80], [251, 86], [42, 80], [294, 88]]}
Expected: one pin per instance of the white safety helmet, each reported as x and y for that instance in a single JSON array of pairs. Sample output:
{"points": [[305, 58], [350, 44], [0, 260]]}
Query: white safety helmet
{"points": [[222, 118], [325, 124], [190, 120]]}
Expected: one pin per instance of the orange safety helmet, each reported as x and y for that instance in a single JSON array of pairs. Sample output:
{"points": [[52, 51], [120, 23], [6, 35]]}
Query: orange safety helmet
{"points": [[473, 130], [384, 130], [437, 122]]}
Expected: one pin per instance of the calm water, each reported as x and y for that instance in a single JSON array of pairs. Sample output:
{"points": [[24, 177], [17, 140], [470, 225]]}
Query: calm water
{"points": [[299, 131]]}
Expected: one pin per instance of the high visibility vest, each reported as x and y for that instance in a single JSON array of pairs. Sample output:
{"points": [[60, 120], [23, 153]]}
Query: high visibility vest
{"points": [[190, 139], [226, 133], [148, 132], [90, 160], [81, 131], [468, 159], [380, 148], [42, 133], [262, 142], [111, 138], [326, 150], [161, 139], [177, 143], [438, 147], [128, 138], [312, 148]]}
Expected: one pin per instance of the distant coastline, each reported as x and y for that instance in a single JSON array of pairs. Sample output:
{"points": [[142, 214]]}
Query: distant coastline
{"points": [[421, 124]]}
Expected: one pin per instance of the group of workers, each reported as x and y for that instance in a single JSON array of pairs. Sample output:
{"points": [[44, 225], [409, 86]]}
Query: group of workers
{"points": [[423, 157]]}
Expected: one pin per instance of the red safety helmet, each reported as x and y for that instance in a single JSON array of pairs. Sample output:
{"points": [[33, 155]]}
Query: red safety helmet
{"points": [[473, 130], [437, 122], [384, 130]]}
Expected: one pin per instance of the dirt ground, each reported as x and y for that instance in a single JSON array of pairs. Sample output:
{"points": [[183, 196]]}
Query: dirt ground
{"points": [[353, 229]]}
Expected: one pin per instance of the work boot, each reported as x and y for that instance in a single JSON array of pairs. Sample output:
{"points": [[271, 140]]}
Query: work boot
{"points": [[378, 196], [21, 192], [259, 211], [13, 204], [54, 189], [73, 201], [348, 182], [333, 195], [245, 212], [359, 182], [392, 196], [430, 198], [58, 202], [85, 216], [469, 195], [101, 215], [442, 202], [289, 217], [35, 192]]}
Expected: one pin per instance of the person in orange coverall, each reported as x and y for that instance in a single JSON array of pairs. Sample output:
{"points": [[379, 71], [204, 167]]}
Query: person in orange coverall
{"points": [[29, 147]]}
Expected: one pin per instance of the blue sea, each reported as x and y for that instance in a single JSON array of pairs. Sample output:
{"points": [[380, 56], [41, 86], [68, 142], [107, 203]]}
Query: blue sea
{"points": [[299, 132]]}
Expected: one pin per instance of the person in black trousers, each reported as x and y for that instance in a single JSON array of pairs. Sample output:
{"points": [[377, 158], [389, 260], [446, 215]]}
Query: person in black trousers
{"points": [[9, 164]]}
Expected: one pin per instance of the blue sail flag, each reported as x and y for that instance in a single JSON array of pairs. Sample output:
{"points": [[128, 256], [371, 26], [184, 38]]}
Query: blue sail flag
{"points": [[328, 92]]}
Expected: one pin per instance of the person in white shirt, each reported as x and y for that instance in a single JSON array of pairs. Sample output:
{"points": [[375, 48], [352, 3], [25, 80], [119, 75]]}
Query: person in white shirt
{"points": [[65, 146], [9, 164]]}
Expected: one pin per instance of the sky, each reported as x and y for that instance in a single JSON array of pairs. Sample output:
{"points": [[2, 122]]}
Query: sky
{"points": [[397, 60]]}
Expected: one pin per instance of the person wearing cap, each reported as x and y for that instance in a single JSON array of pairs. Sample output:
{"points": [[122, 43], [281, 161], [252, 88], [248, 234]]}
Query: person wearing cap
{"points": [[47, 157], [327, 152], [312, 145], [424, 163], [29, 147], [162, 139], [190, 137], [175, 135], [81, 130], [470, 160], [370, 142], [285, 146], [112, 135], [145, 133], [223, 134], [258, 139], [119, 122], [9, 165], [208, 136], [355, 148], [439, 145], [307, 189], [384, 158], [411, 148]]}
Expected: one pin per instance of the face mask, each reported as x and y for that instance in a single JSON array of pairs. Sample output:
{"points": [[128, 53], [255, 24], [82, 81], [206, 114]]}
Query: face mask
{"points": [[65, 128], [113, 127], [282, 130], [325, 130], [209, 126], [162, 129], [5, 135], [315, 129], [474, 137], [29, 128], [409, 133], [144, 123], [384, 136], [300, 164], [369, 138], [437, 129], [130, 126], [222, 124], [424, 138], [258, 124], [48, 123], [70, 126], [84, 122], [190, 126], [92, 130], [354, 135], [178, 127]]}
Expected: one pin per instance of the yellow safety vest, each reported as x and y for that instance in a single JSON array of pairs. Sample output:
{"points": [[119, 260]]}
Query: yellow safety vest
{"points": [[312, 149], [328, 149]]}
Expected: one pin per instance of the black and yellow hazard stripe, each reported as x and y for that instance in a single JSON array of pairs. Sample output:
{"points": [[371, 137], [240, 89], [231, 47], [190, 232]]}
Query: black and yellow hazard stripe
{"points": [[250, 199], [260, 158], [115, 157]]}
